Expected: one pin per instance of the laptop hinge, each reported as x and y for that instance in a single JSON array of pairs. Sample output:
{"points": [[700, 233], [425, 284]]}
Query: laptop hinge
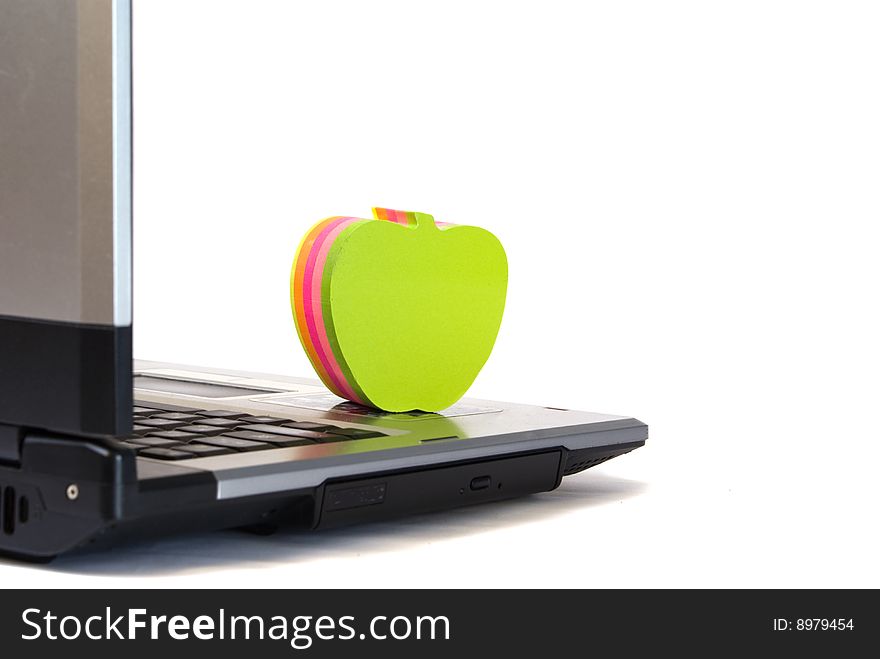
{"points": [[10, 444]]}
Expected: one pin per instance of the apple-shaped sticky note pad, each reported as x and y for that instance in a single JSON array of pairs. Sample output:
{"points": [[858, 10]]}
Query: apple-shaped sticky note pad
{"points": [[398, 312]]}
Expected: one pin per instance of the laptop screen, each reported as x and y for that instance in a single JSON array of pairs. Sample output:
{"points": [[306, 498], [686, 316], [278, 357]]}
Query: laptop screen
{"points": [[65, 218], [64, 182]]}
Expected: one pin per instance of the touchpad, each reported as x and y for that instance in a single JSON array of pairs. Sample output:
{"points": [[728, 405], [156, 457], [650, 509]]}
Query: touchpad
{"points": [[330, 403]]}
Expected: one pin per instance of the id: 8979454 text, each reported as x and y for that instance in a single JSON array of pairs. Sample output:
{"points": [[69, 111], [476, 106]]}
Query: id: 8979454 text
{"points": [[813, 624]]}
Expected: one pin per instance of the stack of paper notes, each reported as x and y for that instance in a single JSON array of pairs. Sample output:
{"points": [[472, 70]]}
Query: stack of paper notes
{"points": [[398, 312]]}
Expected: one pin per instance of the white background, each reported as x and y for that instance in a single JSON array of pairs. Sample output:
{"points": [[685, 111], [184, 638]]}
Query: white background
{"points": [[688, 195]]}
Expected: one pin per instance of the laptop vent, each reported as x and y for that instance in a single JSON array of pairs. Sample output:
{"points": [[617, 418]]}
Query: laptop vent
{"points": [[575, 467], [13, 509]]}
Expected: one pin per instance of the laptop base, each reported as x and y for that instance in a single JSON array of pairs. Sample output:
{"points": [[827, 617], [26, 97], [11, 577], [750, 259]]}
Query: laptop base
{"points": [[42, 516]]}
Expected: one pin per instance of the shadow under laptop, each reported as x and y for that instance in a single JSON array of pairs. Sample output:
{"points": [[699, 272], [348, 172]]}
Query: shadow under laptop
{"points": [[198, 552]]}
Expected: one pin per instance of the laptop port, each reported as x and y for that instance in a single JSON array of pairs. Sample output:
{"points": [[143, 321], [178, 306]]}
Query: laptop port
{"points": [[481, 483]]}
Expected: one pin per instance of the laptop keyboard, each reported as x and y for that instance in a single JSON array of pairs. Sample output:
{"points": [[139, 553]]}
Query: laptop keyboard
{"points": [[171, 432]]}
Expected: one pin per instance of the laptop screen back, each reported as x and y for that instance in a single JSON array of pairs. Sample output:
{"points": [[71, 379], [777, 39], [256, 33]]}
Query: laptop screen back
{"points": [[65, 214]]}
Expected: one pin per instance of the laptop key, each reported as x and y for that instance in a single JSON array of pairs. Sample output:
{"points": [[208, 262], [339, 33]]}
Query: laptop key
{"points": [[310, 425], [271, 420], [235, 443], [288, 432], [175, 435], [141, 430], [176, 416], [203, 450], [165, 454], [220, 414], [161, 424], [220, 423], [144, 411], [357, 433], [158, 442], [275, 440], [202, 429]]}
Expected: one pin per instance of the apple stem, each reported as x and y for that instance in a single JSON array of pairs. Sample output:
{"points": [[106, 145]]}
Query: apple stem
{"points": [[407, 218], [424, 221]]}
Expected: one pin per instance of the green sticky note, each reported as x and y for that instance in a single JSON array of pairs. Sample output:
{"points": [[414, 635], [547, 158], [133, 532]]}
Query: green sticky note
{"points": [[411, 311]]}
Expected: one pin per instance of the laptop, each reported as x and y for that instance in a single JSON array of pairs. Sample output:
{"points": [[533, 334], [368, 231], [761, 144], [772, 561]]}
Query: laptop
{"points": [[96, 449]]}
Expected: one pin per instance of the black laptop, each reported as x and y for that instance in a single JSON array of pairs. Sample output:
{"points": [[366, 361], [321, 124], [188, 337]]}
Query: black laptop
{"points": [[96, 449]]}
